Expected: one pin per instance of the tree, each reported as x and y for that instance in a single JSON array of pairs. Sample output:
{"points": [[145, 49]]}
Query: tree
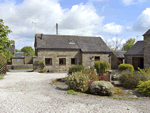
{"points": [[129, 43], [28, 51], [115, 44], [5, 43], [16, 50]]}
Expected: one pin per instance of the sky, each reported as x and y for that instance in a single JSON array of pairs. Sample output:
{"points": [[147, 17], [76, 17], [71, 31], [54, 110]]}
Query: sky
{"points": [[109, 19]]}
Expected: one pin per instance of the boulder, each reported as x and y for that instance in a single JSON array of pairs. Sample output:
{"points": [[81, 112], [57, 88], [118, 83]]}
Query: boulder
{"points": [[103, 88]]}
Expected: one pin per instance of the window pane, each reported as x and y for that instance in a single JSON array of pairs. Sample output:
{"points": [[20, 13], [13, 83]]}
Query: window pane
{"points": [[74, 61], [62, 61], [48, 61]]}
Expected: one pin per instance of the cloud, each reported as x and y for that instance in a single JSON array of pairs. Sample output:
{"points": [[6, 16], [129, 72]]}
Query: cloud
{"points": [[132, 2], [111, 28], [127, 2], [142, 23], [81, 19]]}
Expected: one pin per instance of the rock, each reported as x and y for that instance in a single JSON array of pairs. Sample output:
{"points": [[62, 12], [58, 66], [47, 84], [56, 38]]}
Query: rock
{"points": [[103, 88]]}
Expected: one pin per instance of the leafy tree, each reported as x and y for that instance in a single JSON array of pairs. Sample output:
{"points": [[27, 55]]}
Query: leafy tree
{"points": [[5, 43], [16, 50], [28, 51], [129, 43]]}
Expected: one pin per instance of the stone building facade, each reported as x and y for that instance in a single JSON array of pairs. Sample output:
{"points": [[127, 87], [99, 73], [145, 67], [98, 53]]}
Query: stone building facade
{"points": [[117, 58], [139, 54], [60, 52]]}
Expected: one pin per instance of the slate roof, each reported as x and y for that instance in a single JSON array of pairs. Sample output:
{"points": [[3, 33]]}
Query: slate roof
{"points": [[85, 43], [119, 54], [12, 49], [147, 33], [136, 49]]}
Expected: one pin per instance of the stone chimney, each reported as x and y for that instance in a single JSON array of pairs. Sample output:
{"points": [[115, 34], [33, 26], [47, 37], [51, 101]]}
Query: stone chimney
{"points": [[14, 43], [56, 28], [41, 36]]}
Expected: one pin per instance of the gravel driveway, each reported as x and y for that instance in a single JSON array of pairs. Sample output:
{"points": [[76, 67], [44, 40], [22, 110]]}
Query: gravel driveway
{"points": [[30, 92]]}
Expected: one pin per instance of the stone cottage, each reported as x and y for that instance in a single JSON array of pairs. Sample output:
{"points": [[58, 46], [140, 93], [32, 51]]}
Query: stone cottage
{"points": [[139, 54], [60, 52], [117, 58]]}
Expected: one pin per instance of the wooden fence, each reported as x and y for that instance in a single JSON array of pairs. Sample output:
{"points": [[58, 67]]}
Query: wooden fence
{"points": [[3, 68]]}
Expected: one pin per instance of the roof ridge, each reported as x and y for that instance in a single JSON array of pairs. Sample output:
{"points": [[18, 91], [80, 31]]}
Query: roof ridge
{"points": [[69, 35]]}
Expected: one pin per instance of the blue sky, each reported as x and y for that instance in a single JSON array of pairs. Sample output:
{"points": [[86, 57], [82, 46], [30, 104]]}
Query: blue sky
{"points": [[122, 19]]}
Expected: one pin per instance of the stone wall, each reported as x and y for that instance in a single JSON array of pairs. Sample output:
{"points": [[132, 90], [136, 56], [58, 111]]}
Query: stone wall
{"points": [[55, 55], [86, 61], [128, 58], [24, 66], [17, 61], [147, 51], [28, 60]]}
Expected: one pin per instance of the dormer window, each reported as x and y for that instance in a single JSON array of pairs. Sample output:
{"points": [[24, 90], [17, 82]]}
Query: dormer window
{"points": [[71, 41]]}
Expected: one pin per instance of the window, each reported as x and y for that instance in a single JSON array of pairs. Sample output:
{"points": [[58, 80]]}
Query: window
{"points": [[62, 61], [97, 58], [71, 41], [48, 61], [73, 60], [18, 60]]}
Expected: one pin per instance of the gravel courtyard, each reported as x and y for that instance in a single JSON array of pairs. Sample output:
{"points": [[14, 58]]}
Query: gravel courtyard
{"points": [[30, 92]]}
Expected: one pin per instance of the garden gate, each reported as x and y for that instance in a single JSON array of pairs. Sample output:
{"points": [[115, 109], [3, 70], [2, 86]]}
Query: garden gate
{"points": [[3, 68]]}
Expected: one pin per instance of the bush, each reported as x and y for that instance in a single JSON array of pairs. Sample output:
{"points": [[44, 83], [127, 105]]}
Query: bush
{"points": [[102, 88], [101, 66], [78, 82], [144, 73], [144, 88], [91, 74], [125, 67], [75, 69], [130, 79]]}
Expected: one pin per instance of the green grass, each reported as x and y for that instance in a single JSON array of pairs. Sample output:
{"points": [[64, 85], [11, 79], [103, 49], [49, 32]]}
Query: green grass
{"points": [[71, 92]]}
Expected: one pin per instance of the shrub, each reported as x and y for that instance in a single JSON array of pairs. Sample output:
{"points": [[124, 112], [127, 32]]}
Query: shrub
{"points": [[91, 74], [118, 91], [78, 82], [125, 67], [144, 73], [130, 79], [101, 66], [102, 88], [105, 78], [90, 83], [144, 88], [75, 69]]}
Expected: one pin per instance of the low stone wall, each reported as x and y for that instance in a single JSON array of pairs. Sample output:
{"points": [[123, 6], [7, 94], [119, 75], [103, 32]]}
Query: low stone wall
{"points": [[24, 66]]}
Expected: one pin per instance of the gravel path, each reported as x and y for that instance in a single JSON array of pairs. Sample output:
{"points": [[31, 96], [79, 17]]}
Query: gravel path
{"points": [[30, 92]]}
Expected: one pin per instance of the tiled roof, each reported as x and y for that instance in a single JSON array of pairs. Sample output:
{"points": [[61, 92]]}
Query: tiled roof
{"points": [[147, 33], [120, 54], [85, 43], [136, 49]]}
